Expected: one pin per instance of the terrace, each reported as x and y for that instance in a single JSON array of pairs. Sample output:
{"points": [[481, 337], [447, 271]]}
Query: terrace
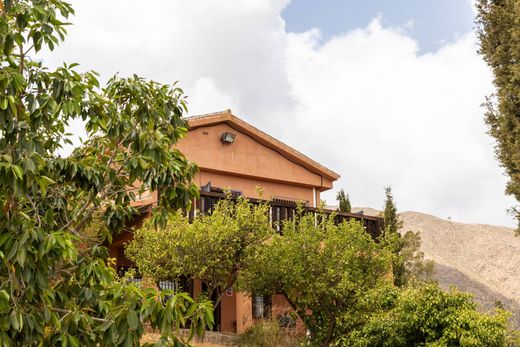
{"points": [[281, 209]]}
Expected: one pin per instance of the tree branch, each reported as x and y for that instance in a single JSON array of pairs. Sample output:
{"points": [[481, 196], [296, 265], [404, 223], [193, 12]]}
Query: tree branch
{"points": [[105, 191], [61, 310], [36, 210]]}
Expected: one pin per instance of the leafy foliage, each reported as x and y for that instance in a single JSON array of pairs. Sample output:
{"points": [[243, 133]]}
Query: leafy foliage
{"points": [[498, 27], [344, 201], [266, 334], [408, 264], [323, 269], [55, 286], [392, 223], [214, 248], [428, 316]]}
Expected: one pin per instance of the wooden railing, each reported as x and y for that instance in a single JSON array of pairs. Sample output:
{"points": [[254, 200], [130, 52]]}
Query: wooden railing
{"points": [[281, 210]]}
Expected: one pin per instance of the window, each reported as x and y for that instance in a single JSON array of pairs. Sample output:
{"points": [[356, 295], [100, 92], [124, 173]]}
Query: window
{"points": [[261, 306], [180, 284], [171, 285]]}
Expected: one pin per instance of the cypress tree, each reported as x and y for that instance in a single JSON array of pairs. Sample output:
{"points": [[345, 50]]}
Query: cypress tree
{"points": [[408, 264], [498, 28], [393, 239], [344, 201], [390, 214]]}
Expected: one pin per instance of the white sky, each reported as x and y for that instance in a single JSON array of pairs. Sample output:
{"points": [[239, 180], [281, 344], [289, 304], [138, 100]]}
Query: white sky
{"points": [[363, 103]]}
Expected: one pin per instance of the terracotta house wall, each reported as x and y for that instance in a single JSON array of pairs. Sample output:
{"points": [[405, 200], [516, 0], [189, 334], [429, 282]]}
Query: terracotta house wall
{"points": [[280, 307], [244, 312], [244, 157], [228, 316], [248, 187]]}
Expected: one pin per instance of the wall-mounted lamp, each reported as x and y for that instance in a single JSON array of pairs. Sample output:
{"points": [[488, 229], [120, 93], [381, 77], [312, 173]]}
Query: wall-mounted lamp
{"points": [[228, 137]]}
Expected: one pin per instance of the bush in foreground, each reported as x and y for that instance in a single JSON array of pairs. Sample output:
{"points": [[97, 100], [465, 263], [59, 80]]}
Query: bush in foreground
{"points": [[56, 288], [429, 316], [266, 334]]}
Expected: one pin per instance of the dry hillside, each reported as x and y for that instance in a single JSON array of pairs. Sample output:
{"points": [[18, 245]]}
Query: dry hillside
{"points": [[481, 259]]}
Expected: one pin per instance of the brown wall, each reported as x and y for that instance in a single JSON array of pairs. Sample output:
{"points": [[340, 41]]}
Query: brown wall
{"points": [[244, 312], [244, 157], [248, 187], [228, 314], [280, 307]]}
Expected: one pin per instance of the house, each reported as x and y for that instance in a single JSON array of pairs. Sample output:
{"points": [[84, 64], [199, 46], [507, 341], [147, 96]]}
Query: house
{"points": [[233, 154]]}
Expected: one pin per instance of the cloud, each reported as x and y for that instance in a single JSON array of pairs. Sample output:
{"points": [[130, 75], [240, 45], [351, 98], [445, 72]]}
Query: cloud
{"points": [[384, 115], [365, 103], [238, 45]]}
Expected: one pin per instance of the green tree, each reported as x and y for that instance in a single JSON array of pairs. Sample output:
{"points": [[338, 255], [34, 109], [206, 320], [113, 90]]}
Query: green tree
{"points": [[55, 286], [392, 223], [409, 266], [214, 248], [498, 28], [428, 316], [323, 269], [344, 201]]}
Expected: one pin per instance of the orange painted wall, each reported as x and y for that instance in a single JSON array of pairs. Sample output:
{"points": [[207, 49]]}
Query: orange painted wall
{"points": [[244, 312], [228, 315], [247, 185], [280, 307], [244, 157]]}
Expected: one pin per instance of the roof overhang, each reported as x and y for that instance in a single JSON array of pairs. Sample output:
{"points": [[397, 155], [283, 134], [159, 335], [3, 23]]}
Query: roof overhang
{"points": [[261, 137]]}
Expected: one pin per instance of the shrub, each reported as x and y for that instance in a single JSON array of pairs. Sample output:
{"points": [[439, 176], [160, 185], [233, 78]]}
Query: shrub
{"points": [[428, 316], [266, 334], [323, 269]]}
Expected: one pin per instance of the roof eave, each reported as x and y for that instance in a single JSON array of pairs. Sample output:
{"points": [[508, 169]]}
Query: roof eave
{"points": [[263, 138]]}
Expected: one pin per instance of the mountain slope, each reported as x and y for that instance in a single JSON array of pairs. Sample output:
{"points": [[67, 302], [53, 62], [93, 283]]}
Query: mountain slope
{"points": [[481, 259], [487, 254]]}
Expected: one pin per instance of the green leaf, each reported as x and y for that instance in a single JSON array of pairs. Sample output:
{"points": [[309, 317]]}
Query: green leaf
{"points": [[4, 301], [7, 158], [105, 326], [44, 182], [29, 165], [47, 180], [132, 319], [64, 340], [13, 105], [16, 320], [21, 255], [73, 341], [17, 171]]}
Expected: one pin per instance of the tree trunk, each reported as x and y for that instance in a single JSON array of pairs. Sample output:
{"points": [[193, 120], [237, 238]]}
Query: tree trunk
{"points": [[328, 339], [219, 298]]}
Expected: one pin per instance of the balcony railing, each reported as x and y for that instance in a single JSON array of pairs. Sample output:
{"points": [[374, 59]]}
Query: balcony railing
{"points": [[280, 210]]}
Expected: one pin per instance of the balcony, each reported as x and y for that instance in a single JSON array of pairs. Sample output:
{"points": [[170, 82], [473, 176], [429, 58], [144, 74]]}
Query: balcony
{"points": [[281, 210]]}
